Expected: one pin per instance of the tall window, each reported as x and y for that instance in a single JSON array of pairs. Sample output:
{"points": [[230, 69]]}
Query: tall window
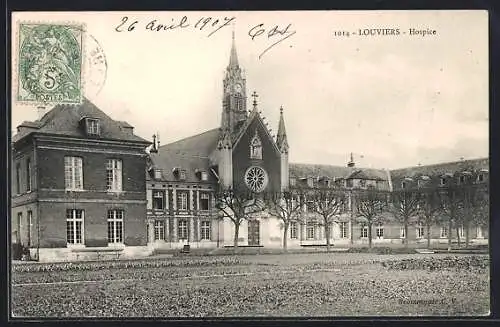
{"points": [[28, 175], [18, 181], [182, 229], [364, 231], [461, 231], [311, 206], [19, 221], [379, 231], [205, 230], [442, 181], [114, 175], [30, 225], [479, 232], [92, 126], [293, 230], [159, 200], [115, 226], [343, 229], [74, 226], [310, 229], [182, 200], [444, 232], [204, 201], [480, 178], [402, 232], [420, 232], [159, 230], [73, 173], [255, 147]]}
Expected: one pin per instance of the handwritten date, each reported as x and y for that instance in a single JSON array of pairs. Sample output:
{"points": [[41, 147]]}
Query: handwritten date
{"points": [[211, 24]]}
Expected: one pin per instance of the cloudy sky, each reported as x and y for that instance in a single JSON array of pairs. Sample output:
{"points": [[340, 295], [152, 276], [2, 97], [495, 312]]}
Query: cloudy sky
{"points": [[392, 100]]}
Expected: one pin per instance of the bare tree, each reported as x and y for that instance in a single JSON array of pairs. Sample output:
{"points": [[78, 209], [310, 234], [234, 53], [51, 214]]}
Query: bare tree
{"points": [[451, 204], [405, 208], [429, 207], [475, 205], [329, 203], [285, 206], [370, 205], [238, 205]]}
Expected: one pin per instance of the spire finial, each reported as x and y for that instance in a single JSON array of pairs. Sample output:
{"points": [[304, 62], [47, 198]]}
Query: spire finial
{"points": [[233, 59], [255, 96], [281, 110]]}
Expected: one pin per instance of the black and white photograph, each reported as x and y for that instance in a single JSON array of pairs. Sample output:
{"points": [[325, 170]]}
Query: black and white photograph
{"points": [[229, 164]]}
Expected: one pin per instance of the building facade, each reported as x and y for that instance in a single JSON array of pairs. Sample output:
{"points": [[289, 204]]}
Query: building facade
{"points": [[78, 185], [84, 184]]}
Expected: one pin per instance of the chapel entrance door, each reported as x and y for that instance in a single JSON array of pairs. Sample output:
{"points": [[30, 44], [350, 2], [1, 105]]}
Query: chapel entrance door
{"points": [[253, 232]]}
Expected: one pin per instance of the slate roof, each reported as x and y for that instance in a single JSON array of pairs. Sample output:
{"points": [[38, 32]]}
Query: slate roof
{"points": [[65, 120], [190, 154], [298, 170], [441, 168]]}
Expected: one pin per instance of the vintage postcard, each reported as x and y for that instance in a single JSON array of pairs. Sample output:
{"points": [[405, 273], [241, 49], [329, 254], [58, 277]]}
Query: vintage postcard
{"points": [[249, 164]]}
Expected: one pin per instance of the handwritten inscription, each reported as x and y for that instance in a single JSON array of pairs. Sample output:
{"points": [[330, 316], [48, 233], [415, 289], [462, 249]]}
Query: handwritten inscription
{"points": [[275, 34], [210, 24]]}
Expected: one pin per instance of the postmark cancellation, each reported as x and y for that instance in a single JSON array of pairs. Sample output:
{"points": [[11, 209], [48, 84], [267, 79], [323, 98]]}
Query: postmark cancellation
{"points": [[50, 63]]}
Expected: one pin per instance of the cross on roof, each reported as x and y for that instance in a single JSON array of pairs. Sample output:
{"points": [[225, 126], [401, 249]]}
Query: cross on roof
{"points": [[255, 96]]}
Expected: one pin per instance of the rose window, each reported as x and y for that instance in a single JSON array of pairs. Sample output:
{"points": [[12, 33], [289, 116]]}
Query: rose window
{"points": [[256, 179]]}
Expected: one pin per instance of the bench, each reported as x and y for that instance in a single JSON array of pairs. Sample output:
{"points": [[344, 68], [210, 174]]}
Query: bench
{"points": [[186, 248], [100, 251]]}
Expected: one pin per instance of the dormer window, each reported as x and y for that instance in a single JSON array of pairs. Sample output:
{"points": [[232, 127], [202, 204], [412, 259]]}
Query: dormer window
{"points": [[256, 147], [157, 173], [182, 174], [292, 181], [403, 185], [480, 178], [92, 126], [204, 176], [310, 182], [442, 181], [461, 179]]}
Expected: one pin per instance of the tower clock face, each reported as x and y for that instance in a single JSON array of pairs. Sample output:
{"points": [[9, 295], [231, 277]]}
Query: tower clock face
{"points": [[238, 88], [256, 179]]}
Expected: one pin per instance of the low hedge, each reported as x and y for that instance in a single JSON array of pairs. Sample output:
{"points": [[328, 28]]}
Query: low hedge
{"points": [[382, 250], [148, 263], [433, 263]]}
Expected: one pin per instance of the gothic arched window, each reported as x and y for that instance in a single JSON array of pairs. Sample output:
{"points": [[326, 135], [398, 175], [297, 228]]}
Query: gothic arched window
{"points": [[255, 147]]}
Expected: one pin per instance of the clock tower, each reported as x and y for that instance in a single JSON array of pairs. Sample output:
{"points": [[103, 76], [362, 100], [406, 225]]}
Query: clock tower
{"points": [[234, 107]]}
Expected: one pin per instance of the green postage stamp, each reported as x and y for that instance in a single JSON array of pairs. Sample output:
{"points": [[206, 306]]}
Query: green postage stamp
{"points": [[49, 63]]}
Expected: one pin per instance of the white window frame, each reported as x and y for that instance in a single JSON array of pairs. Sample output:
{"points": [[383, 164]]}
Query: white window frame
{"points": [[115, 222], [159, 230], [420, 232], [18, 178], [204, 176], [461, 231], [379, 229], [75, 217], [73, 173], [204, 196], [364, 231], [206, 230], [159, 194], [182, 201], [344, 229], [443, 233], [114, 175], [93, 127], [442, 181], [310, 231], [293, 230], [30, 224], [479, 232], [183, 229], [182, 174]]}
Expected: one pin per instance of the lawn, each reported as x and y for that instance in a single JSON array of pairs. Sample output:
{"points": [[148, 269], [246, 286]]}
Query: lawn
{"points": [[338, 284]]}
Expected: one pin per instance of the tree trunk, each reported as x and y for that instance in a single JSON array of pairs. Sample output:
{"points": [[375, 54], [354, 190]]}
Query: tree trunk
{"points": [[457, 229], [327, 234], [351, 230], [450, 228], [370, 236], [428, 236], [406, 234], [236, 235], [285, 236], [467, 236]]}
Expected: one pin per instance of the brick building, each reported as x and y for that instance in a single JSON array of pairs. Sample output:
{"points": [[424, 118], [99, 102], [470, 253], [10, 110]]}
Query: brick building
{"points": [[78, 184]]}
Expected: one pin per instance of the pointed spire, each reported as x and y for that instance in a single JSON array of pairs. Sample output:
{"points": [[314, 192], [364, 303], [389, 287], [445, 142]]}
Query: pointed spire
{"points": [[351, 162], [255, 96], [281, 138], [233, 59]]}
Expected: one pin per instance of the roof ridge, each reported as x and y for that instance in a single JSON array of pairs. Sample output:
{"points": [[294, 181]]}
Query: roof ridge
{"points": [[442, 163], [189, 137]]}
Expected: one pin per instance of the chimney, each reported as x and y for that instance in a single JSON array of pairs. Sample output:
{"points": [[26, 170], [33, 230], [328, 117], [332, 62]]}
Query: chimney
{"points": [[40, 112]]}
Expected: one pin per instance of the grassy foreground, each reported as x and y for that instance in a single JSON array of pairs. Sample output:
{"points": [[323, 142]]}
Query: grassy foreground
{"points": [[284, 285]]}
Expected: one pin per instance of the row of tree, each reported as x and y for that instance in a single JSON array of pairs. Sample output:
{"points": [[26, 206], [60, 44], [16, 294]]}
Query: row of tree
{"points": [[456, 206]]}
